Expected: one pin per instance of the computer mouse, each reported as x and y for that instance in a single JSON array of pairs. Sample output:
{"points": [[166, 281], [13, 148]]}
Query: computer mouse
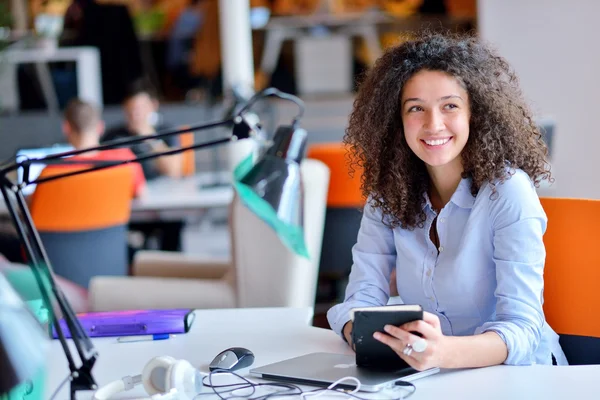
{"points": [[232, 359]]}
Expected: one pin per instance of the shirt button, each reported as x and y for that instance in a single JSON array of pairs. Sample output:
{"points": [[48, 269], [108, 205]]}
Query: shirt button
{"points": [[442, 220], [430, 298], [429, 273], [441, 249]]}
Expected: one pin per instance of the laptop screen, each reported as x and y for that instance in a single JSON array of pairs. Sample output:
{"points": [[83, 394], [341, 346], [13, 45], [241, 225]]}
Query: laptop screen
{"points": [[36, 169]]}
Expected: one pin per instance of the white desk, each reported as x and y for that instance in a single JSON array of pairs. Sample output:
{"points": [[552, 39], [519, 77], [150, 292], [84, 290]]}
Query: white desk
{"points": [[168, 198], [174, 198], [277, 334]]}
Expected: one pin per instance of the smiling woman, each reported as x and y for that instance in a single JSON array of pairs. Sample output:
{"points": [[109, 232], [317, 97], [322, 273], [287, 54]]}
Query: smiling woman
{"points": [[451, 158]]}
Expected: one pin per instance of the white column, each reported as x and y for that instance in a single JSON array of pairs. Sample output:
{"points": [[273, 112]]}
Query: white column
{"points": [[237, 62], [19, 14]]}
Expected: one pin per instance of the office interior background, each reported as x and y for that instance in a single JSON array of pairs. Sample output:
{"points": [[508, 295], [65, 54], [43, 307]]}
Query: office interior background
{"points": [[315, 49]]}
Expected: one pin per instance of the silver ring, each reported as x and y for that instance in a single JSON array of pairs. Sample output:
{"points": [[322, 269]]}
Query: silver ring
{"points": [[407, 350], [420, 345]]}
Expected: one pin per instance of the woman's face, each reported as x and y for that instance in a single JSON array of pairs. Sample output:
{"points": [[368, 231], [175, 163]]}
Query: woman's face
{"points": [[435, 115]]}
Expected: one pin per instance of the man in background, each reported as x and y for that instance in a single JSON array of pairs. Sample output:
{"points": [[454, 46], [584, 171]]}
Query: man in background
{"points": [[83, 127], [142, 119]]}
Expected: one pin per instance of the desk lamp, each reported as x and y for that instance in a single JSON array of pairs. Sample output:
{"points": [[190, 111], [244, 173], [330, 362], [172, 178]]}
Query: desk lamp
{"points": [[270, 187]]}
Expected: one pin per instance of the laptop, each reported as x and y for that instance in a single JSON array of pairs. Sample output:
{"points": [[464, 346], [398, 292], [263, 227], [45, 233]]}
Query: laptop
{"points": [[322, 369], [36, 169]]}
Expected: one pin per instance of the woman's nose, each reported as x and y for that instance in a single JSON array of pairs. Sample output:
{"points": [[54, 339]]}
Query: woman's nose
{"points": [[434, 122]]}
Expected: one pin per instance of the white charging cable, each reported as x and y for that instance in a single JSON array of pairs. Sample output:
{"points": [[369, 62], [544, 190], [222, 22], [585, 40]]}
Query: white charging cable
{"points": [[333, 389]]}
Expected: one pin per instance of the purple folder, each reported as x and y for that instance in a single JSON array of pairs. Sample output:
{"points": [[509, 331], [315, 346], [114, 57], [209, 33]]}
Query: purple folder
{"points": [[132, 322]]}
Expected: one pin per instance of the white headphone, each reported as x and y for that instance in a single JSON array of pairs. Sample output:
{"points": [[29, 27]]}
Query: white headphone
{"points": [[164, 378]]}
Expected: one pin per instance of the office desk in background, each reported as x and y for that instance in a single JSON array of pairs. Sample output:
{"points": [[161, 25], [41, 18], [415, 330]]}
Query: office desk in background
{"points": [[275, 334], [175, 199], [89, 78], [364, 25], [171, 199]]}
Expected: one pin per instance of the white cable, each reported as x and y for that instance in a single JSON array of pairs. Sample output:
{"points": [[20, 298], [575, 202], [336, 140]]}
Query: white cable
{"points": [[67, 379], [114, 387], [332, 388]]}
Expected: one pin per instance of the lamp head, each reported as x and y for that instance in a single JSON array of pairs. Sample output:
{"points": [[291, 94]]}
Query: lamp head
{"points": [[272, 188]]}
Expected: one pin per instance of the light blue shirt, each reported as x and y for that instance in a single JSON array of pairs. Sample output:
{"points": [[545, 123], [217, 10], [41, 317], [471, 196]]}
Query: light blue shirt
{"points": [[488, 275]]}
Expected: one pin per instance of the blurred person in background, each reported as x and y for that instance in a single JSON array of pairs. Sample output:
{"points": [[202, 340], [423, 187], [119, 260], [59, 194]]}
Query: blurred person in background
{"points": [[142, 119], [83, 127], [108, 27], [181, 41]]}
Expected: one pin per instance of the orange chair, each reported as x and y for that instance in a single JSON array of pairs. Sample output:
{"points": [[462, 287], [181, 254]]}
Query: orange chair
{"points": [[188, 157], [342, 219], [82, 221], [572, 276]]}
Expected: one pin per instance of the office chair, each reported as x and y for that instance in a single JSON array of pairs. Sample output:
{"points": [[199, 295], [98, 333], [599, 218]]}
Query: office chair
{"points": [[572, 276], [188, 157], [342, 219], [82, 221], [261, 272]]}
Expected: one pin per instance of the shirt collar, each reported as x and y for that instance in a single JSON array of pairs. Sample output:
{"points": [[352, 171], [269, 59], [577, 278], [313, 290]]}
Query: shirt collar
{"points": [[462, 196]]}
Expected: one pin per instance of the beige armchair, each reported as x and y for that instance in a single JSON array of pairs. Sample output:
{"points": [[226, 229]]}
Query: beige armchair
{"points": [[262, 272]]}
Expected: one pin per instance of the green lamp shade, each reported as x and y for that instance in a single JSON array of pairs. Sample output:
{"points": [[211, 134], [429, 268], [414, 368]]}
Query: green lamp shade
{"points": [[272, 187], [22, 340]]}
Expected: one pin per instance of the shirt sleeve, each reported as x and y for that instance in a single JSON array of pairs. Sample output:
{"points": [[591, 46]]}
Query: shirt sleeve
{"points": [[518, 223], [374, 257], [171, 141], [112, 134], [139, 181]]}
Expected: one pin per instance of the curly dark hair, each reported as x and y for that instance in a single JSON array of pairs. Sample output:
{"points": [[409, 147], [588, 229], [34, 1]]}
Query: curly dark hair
{"points": [[502, 130]]}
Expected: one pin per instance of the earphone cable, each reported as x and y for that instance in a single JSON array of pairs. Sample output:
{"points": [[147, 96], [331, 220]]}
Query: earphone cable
{"points": [[224, 371], [60, 386]]}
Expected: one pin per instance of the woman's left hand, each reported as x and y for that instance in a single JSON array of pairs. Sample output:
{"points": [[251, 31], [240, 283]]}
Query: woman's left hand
{"points": [[429, 328]]}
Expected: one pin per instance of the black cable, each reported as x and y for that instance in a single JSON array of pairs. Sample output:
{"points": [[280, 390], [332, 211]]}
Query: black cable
{"points": [[221, 371], [63, 383], [292, 390], [275, 92]]}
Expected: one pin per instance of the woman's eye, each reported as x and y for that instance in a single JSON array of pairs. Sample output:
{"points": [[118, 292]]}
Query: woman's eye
{"points": [[450, 106], [415, 108]]}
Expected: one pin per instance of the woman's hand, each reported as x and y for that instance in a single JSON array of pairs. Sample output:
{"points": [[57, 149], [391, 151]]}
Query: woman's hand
{"points": [[429, 328], [347, 332]]}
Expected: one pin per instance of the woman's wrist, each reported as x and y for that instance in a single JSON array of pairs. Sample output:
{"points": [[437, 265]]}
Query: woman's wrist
{"points": [[449, 356], [347, 332]]}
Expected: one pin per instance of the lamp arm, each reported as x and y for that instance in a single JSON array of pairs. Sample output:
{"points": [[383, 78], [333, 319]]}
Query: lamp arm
{"points": [[277, 93], [108, 164], [117, 143], [80, 377]]}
